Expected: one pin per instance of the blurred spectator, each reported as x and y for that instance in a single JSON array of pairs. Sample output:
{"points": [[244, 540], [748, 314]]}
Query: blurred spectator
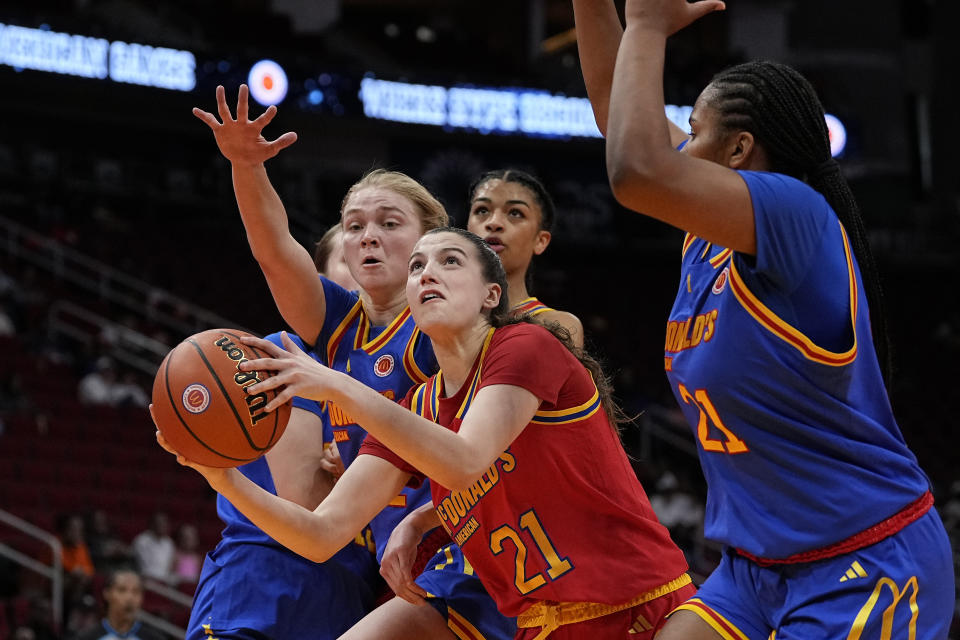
{"points": [[78, 568], [187, 560], [23, 633], [76, 553], [154, 549], [127, 393], [677, 508], [106, 548], [122, 598], [97, 387]]}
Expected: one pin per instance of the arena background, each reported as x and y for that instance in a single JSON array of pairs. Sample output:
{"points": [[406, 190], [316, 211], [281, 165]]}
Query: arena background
{"points": [[119, 234]]}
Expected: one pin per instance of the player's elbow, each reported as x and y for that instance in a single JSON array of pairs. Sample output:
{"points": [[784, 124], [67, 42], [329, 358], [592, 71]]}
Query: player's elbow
{"points": [[464, 476], [460, 482], [629, 183], [634, 178]]}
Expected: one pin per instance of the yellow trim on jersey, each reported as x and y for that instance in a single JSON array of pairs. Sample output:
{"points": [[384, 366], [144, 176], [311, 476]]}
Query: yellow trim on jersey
{"points": [[706, 251], [530, 306], [573, 414], [721, 257], [687, 242], [337, 334], [723, 627], [410, 362], [472, 390], [387, 334], [775, 325], [416, 400], [461, 627]]}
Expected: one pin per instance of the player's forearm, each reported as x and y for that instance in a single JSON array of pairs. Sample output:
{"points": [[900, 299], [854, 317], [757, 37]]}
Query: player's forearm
{"points": [[285, 263], [263, 214], [435, 451], [422, 519], [598, 38], [300, 530]]}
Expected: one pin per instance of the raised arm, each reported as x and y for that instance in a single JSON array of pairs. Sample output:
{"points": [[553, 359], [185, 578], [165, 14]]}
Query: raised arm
{"points": [[286, 264], [497, 415], [598, 39], [646, 173]]}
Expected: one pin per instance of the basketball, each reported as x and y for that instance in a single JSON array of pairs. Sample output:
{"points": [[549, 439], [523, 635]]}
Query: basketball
{"points": [[201, 406]]}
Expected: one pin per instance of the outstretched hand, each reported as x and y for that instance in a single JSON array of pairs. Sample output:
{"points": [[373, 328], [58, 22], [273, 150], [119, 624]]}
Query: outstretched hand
{"points": [[298, 373], [669, 16], [241, 140]]}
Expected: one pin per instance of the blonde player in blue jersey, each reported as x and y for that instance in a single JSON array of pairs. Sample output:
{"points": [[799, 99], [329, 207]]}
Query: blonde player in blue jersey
{"points": [[513, 213], [774, 348], [368, 334], [292, 596]]}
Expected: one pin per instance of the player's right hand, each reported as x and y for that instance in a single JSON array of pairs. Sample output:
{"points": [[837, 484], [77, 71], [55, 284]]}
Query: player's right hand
{"points": [[241, 140], [397, 564]]}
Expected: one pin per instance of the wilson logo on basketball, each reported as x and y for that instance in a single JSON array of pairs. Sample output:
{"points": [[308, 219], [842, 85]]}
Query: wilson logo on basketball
{"points": [[196, 398], [721, 282], [383, 366]]}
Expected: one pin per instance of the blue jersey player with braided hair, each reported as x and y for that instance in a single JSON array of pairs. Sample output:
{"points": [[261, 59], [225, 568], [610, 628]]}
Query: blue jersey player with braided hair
{"points": [[775, 348]]}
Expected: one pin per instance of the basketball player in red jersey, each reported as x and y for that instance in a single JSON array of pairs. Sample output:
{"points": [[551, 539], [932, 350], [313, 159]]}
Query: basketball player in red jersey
{"points": [[500, 431], [513, 213]]}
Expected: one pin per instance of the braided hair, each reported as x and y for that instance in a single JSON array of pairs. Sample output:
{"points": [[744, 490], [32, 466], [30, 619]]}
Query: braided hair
{"points": [[781, 109]]}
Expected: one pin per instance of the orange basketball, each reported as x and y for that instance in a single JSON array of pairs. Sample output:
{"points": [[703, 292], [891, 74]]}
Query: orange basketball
{"points": [[201, 406]]}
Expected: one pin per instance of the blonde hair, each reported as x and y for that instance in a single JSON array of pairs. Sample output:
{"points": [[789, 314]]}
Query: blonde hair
{"points": [[432, 214]]}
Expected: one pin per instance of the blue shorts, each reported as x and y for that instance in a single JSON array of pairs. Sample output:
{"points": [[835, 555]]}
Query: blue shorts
{"points": [[900, 587], [457, 593], [259, 592]]}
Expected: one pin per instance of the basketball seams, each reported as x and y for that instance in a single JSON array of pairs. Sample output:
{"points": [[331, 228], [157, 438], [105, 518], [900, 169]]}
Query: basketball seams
{"points": [[226, 396], [173, 406], [210, 430], [276, 414], [216, 378]]}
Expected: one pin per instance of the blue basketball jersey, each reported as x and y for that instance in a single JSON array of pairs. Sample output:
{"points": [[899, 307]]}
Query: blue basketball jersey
{"points": [[389, 360], [771, 360], [268, 587]]}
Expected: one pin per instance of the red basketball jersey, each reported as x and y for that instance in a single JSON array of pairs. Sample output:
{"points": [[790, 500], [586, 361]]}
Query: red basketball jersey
{"points": [[560, 515]]}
